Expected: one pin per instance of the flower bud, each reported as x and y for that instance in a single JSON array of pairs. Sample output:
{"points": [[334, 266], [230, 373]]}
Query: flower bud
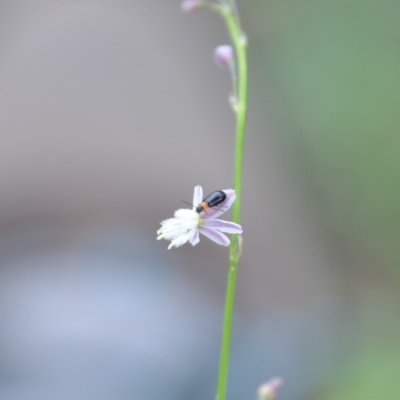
{"points": [[268, 390], [191, 5], [233, 101], [224, 55]]}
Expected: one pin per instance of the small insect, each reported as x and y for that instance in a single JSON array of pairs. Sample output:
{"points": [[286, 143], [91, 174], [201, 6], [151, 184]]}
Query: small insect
{"points": [[212, 200]]}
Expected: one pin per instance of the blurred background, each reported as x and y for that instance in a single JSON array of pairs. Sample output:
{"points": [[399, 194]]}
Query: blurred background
{"points": [[111, 111]]}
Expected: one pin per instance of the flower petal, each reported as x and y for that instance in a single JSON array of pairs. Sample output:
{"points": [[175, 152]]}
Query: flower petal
{"points": [[198, 195], [222, 226], [195, 238], [212, 213], [215, 236]]}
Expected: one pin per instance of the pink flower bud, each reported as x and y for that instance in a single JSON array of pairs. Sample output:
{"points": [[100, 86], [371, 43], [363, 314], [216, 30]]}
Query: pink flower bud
{"points": [[191, 5], [223, 55], [268, 390]]}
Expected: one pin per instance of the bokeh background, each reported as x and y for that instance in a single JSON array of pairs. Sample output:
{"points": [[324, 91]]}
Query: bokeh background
{"points": [[111, 111]]}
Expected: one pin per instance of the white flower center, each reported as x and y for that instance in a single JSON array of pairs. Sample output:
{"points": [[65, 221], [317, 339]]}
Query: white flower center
{"points": [[181, 227]]}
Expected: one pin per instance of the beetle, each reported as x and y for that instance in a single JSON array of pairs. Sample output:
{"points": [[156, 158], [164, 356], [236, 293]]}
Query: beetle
{"points": [[212, 200]]}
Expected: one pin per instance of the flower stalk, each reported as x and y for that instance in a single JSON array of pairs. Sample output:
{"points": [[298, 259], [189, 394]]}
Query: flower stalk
{"points": [[228, 11], [239, 41]]}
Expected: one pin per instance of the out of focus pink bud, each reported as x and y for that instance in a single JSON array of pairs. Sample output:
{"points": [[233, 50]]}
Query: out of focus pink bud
{"points": [[224, 55], [191, 5], [268, 390]]}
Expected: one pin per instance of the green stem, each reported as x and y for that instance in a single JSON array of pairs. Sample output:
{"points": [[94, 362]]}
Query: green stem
{"points": [[239, 42]]}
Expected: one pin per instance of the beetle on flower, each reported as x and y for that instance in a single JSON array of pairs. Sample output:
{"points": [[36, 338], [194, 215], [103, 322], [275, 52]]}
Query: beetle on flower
{"points": [[187, 224]]}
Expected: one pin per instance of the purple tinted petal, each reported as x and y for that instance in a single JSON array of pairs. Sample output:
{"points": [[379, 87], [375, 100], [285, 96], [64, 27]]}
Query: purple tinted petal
{"points": [[195, 238], [222, 226], [221, 208], [223, 55], [191, 5], [198, 195], [215, 236]]}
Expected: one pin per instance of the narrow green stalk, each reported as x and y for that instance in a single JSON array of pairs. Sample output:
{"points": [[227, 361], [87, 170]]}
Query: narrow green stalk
{"points": [[239, 42]]}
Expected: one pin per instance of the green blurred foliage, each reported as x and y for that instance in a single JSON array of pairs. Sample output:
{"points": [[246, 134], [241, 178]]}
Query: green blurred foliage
{"points": [[333, 71], [370, 368], [373, 374]]}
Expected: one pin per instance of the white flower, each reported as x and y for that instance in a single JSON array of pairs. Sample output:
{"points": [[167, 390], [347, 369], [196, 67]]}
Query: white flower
{"points": [[187, 224]]}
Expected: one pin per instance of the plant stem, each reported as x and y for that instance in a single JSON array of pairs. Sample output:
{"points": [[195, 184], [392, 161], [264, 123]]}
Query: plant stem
{"points": [[239, 42]]}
